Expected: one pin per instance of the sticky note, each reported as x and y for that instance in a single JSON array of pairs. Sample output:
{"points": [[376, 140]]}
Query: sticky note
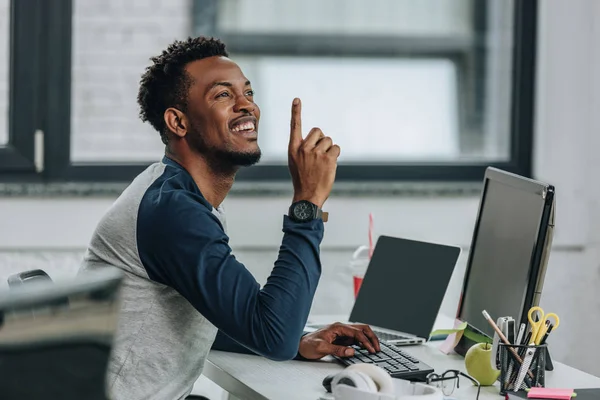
{"points": [[549, 393]]}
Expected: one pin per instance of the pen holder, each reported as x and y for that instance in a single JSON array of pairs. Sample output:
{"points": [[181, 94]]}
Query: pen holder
{"points": [[516, 375]]}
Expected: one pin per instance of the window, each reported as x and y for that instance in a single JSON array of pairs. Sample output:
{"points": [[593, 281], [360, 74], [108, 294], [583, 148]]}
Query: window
{"points": [[384, 77], [411, 90], [376, 109]]}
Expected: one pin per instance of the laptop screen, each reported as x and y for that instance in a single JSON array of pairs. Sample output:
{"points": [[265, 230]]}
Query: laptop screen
{"points": [[404, 285]]}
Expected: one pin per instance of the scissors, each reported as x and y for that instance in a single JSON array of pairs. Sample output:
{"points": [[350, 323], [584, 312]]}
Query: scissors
{"points": [[539, 327]]}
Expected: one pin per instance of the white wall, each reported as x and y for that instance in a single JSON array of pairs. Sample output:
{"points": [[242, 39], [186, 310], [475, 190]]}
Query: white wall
{"points": [[567, 141], [52, 233]]}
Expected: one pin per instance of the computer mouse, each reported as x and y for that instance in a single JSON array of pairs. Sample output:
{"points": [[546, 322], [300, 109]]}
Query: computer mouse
{"points": [[327, 382]]}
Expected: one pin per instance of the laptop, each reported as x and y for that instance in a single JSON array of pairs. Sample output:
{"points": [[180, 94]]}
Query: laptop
{"points": [[403, 289]]}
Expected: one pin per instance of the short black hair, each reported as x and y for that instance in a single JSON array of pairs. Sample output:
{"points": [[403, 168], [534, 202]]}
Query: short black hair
{"points": [[165, 83]]}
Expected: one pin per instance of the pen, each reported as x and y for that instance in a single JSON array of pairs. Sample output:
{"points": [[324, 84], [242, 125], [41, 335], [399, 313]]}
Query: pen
{"points": [[527, 339], [521, 333], [550, 327], [542, 332]]}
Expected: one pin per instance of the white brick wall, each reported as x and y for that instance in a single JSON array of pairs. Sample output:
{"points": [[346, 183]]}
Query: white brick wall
{"points": [[4, 51], [112, 43]]}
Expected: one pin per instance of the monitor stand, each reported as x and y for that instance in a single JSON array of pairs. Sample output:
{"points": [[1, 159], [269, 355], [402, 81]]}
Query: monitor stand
{"points": [[472, 336]]}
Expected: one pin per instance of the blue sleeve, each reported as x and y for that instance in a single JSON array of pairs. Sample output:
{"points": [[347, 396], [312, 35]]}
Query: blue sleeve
{"points": [[182, 244], [225, 343]]}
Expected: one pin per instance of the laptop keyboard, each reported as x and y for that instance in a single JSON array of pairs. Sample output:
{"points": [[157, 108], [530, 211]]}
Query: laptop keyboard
{"points": [[398, 363]]}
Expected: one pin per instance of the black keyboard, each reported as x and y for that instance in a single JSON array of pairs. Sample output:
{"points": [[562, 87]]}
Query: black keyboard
{"points": [[398, 363]]}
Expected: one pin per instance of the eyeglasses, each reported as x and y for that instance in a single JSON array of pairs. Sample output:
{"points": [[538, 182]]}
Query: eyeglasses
{"points": [[449, 380]]}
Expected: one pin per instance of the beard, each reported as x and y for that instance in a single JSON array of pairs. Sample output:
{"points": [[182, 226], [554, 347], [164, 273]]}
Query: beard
{"points": [[222, 159], [236, 158]]}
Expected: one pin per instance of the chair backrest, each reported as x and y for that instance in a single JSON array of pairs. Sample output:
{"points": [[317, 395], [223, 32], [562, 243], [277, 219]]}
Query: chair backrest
{"points": [[33, 276], [49, 350], [21, 278]]}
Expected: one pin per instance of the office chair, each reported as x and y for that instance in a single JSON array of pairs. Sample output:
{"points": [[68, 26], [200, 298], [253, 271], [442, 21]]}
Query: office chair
{"points": [[66, 371], [82, 366], [55, 340], [33, 276]]}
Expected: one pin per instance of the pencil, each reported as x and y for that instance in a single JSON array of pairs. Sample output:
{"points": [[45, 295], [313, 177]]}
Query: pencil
{"points": [[504, 339]]}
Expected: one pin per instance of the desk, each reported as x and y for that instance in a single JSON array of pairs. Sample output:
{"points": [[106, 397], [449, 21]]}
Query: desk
{"points": [[252, 377]]}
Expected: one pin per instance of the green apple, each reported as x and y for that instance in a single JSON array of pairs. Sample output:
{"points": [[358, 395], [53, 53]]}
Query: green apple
{"points": [[478, 362]]}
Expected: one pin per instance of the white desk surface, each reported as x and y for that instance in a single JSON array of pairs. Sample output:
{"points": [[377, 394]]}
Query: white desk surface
{"points": [[252, 377]]}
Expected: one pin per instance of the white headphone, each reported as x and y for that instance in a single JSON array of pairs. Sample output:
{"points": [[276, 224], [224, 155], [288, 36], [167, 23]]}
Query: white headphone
{"points": [[366, 378], [366, 381]]}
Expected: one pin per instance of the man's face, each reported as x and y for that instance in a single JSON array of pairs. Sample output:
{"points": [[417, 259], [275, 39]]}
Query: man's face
{"points": [[222, 113]]}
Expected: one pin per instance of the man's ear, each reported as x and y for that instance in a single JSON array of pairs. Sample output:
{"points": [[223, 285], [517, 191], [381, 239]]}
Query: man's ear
{"points": [[176, 122]]}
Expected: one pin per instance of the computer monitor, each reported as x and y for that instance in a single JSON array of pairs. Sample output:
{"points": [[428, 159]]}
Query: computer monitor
{"points": [[509, 250]]}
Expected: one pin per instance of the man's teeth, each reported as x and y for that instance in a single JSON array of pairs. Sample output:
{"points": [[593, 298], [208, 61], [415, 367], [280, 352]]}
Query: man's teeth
{"points": [[246, 126]]}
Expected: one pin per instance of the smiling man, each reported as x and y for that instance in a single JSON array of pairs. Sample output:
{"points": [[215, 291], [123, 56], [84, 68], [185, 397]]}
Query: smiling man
{"points": [[184, 291]]}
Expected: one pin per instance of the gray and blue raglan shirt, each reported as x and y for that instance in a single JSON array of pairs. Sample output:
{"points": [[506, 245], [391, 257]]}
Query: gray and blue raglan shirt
{"points": [[184, 291]]}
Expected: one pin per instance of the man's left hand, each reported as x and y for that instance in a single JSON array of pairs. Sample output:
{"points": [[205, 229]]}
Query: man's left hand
{"points": [[335, 339]]}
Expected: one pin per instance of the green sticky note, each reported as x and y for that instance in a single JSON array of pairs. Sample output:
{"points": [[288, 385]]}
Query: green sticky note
{"points": [[459, 328]]}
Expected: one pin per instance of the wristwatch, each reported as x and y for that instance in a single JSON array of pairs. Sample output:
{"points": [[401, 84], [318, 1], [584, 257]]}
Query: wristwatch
{"points": [[304, 211]]}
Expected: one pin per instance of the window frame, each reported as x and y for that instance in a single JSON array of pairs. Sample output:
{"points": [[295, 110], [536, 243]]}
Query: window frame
{"points": [[52, 110], [18, 155]]}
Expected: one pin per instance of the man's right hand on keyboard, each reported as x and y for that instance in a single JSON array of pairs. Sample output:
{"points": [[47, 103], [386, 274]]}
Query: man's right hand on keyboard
{"points": [[335, 339]]}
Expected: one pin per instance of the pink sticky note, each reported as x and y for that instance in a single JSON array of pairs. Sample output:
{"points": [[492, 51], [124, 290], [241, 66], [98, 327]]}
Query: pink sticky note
{"points": [[549, 393], [452, 340]]}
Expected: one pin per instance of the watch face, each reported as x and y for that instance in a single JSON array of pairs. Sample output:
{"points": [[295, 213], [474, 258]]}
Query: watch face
{"points": [[302, 211]]}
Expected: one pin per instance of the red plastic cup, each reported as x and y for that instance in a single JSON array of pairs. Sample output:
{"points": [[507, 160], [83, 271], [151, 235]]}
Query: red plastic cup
{"points": [[357, 282], [358, 266]]}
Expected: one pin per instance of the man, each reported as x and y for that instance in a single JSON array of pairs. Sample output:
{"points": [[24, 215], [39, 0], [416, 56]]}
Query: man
{"points": [[183, 289]]}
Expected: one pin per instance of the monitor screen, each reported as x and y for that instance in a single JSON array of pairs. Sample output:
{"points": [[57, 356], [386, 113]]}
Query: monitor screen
{"points": [[501, 263]]}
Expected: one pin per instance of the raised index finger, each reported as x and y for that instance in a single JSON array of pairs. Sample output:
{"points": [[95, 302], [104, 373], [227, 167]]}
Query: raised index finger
{"points": [[296, 124]]}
